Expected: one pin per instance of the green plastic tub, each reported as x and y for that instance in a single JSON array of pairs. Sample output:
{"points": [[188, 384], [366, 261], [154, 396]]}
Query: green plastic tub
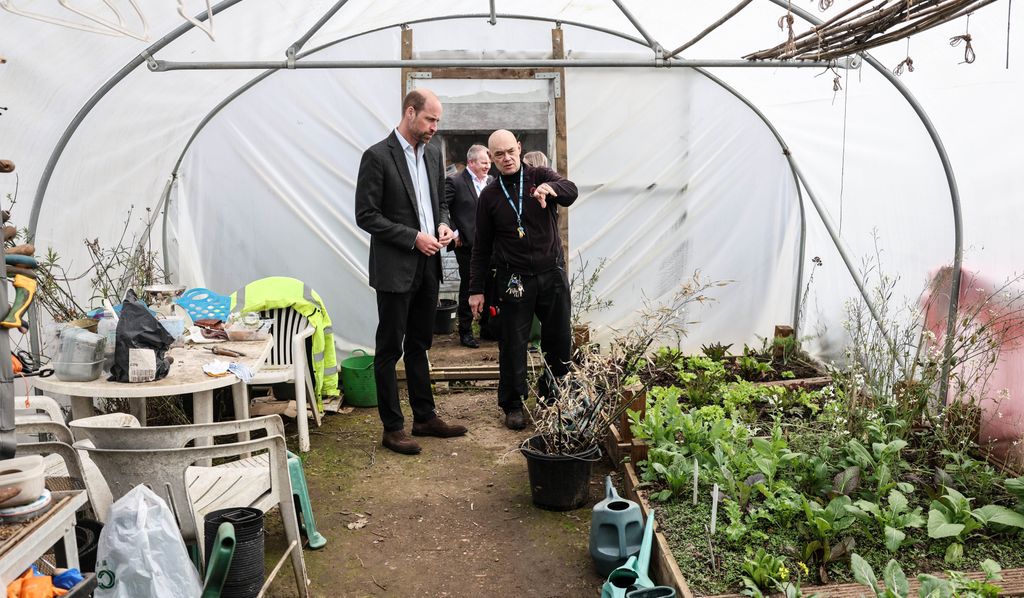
{"points": [[357, 380]]}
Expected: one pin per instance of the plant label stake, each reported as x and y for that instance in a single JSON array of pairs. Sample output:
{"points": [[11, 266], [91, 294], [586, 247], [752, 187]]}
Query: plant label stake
{"points": [[714, 508], [695, 482]]}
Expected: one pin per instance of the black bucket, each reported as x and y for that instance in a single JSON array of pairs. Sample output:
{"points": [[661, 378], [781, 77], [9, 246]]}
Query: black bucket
{"points": [[444, 318], [87, 536], [558, 482], [245, 576]]}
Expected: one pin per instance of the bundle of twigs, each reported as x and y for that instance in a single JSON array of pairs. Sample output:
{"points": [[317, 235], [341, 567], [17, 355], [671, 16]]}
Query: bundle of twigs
{"points": [[865, 25], [589, 399]]}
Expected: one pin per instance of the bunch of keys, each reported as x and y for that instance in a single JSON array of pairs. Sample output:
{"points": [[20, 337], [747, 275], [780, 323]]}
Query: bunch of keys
{"points": [[515, 286], [522, 233]]}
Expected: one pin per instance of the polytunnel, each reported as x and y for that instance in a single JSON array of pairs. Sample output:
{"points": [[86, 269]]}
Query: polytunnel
{"points": [[239, 146]]}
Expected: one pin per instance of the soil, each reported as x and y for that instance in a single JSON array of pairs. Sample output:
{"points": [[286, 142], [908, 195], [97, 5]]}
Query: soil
{"points": [[456, 520]]}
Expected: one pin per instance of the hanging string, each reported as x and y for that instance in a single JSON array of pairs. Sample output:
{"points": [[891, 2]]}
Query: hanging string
{"points": [[956, 40], [907, 63], [786, 22], [842, 159]]}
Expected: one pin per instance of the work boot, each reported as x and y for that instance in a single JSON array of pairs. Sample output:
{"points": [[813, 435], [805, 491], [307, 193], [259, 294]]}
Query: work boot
{"points": [[400, 443], [467, 340], [515, 419], [437, 427]]}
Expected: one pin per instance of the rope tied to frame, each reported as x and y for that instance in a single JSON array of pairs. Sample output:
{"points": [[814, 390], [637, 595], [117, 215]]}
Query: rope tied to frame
{"points": [[786, 23], [956, 40], [965, 39], [907, 63]]}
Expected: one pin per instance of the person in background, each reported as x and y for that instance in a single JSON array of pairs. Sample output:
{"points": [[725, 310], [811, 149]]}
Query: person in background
{"points": [[398, 201], [517, 225], [461, 192], [536, 159]]}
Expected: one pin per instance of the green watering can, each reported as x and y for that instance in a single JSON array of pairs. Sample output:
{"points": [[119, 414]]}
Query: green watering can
{"points": [[633, 575]]}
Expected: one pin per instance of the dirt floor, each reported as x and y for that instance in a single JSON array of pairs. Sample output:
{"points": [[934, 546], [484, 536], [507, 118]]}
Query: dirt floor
{"points": [[456, 520]]}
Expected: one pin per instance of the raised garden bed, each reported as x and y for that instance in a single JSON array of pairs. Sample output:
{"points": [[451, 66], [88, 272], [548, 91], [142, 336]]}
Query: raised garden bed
{"points": [[665, 570], [809, 475]]}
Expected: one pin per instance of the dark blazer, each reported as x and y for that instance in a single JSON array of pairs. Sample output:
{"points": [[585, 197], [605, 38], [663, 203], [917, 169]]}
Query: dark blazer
{"points": [[386, 208], [460, 194]]}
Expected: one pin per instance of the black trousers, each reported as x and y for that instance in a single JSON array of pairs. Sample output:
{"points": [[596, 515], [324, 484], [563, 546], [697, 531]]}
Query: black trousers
{"points": [[406, 322], [465, 314], [545, 295]]}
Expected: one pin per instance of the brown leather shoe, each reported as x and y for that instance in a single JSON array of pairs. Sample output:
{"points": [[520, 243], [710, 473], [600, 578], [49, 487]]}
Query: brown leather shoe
{"points": [[400, 443], [515, 419], [437, 427]]}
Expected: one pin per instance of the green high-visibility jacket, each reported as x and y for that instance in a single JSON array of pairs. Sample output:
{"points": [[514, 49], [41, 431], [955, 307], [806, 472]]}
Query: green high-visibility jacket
{"points": [[280, 292]]}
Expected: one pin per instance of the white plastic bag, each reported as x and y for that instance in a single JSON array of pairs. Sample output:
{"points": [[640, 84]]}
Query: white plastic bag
{"points": [[141, 552]]}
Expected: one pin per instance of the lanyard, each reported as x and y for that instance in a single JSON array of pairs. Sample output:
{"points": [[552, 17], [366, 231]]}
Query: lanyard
{"points": [[508, 198]]}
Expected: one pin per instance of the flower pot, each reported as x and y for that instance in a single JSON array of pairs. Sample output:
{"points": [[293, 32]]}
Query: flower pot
{"points": [[558, 482], [444, 317]]}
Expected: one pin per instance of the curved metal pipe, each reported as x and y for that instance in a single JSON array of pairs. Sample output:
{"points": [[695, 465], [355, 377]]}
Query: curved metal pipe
{"points": [[58, 150], [954, 196]]}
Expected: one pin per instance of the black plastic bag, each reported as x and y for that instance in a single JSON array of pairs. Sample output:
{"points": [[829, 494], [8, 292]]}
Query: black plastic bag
{"points": [[139, 329]]}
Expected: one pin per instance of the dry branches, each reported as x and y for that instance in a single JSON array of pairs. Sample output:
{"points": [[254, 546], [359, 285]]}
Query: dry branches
{"points": [[862, 27]]}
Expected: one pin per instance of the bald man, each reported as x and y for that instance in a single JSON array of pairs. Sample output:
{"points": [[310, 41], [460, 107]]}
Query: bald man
{"points": [[399, 201], [517, 224]]}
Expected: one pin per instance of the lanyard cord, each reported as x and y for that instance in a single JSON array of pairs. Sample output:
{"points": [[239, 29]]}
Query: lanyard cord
{"points": [[508, 198]]}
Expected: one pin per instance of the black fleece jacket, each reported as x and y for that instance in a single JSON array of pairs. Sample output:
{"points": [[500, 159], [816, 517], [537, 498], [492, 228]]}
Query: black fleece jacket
{"points": [[540, 249]]}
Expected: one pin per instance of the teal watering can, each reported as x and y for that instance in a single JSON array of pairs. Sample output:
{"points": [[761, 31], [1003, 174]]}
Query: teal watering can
{"points": [[616, 530], [633, 575]]}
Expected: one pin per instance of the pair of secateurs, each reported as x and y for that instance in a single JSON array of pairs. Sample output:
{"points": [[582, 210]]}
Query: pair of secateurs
{"points": [[24, 365]]}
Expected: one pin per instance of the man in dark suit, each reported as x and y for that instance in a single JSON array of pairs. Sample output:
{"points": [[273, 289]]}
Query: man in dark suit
{"points": [[398, 201], [461, 191]]}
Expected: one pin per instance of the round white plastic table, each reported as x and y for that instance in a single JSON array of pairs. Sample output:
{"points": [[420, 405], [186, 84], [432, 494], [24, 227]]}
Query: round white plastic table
{"points": [[185, 377]]}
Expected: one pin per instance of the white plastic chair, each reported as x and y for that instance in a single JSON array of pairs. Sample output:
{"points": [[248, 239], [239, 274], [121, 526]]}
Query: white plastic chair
{"points": [[288, 364], [133, 455], [41, 409], [63, 462]]}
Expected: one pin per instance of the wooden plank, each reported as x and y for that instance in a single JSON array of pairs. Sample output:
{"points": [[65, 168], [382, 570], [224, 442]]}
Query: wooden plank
{"points": [[462, 72], [615, 447], [664, 570], [817, 382], [406, 55], [561, 157]]}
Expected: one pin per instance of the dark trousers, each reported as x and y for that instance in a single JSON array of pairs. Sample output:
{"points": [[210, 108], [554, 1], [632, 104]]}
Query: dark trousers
{"points": [[406, 321], [546, 296], [463, 255]]}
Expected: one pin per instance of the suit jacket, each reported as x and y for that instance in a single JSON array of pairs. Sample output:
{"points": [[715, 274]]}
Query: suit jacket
{"points": [[460, 194], [386, 208]]}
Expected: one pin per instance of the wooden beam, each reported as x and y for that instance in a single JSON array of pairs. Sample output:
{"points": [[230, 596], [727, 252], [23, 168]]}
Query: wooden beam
{"points": [[406, 55], [561, 159]]}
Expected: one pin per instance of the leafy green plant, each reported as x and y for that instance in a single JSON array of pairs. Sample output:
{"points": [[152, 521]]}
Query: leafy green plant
{"points": [[894, 517], [752, 368], [896, 585], [878, 466], [957, 586], [715, 351], [952, 517], [764, 574], [678, 475], [825, 525]]}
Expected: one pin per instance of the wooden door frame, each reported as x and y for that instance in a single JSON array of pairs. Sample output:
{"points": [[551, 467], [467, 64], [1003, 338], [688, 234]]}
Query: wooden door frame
{"points": [[557, 77]]}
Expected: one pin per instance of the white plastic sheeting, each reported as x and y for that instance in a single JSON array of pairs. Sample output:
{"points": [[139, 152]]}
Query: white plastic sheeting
{"points": [[675, 173]]}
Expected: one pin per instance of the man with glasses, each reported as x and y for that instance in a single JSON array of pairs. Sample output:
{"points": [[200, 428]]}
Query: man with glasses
{"points": [[517, 226]]}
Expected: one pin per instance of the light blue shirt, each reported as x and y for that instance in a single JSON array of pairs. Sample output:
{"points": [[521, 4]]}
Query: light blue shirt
{"points": [[415, 158]]}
